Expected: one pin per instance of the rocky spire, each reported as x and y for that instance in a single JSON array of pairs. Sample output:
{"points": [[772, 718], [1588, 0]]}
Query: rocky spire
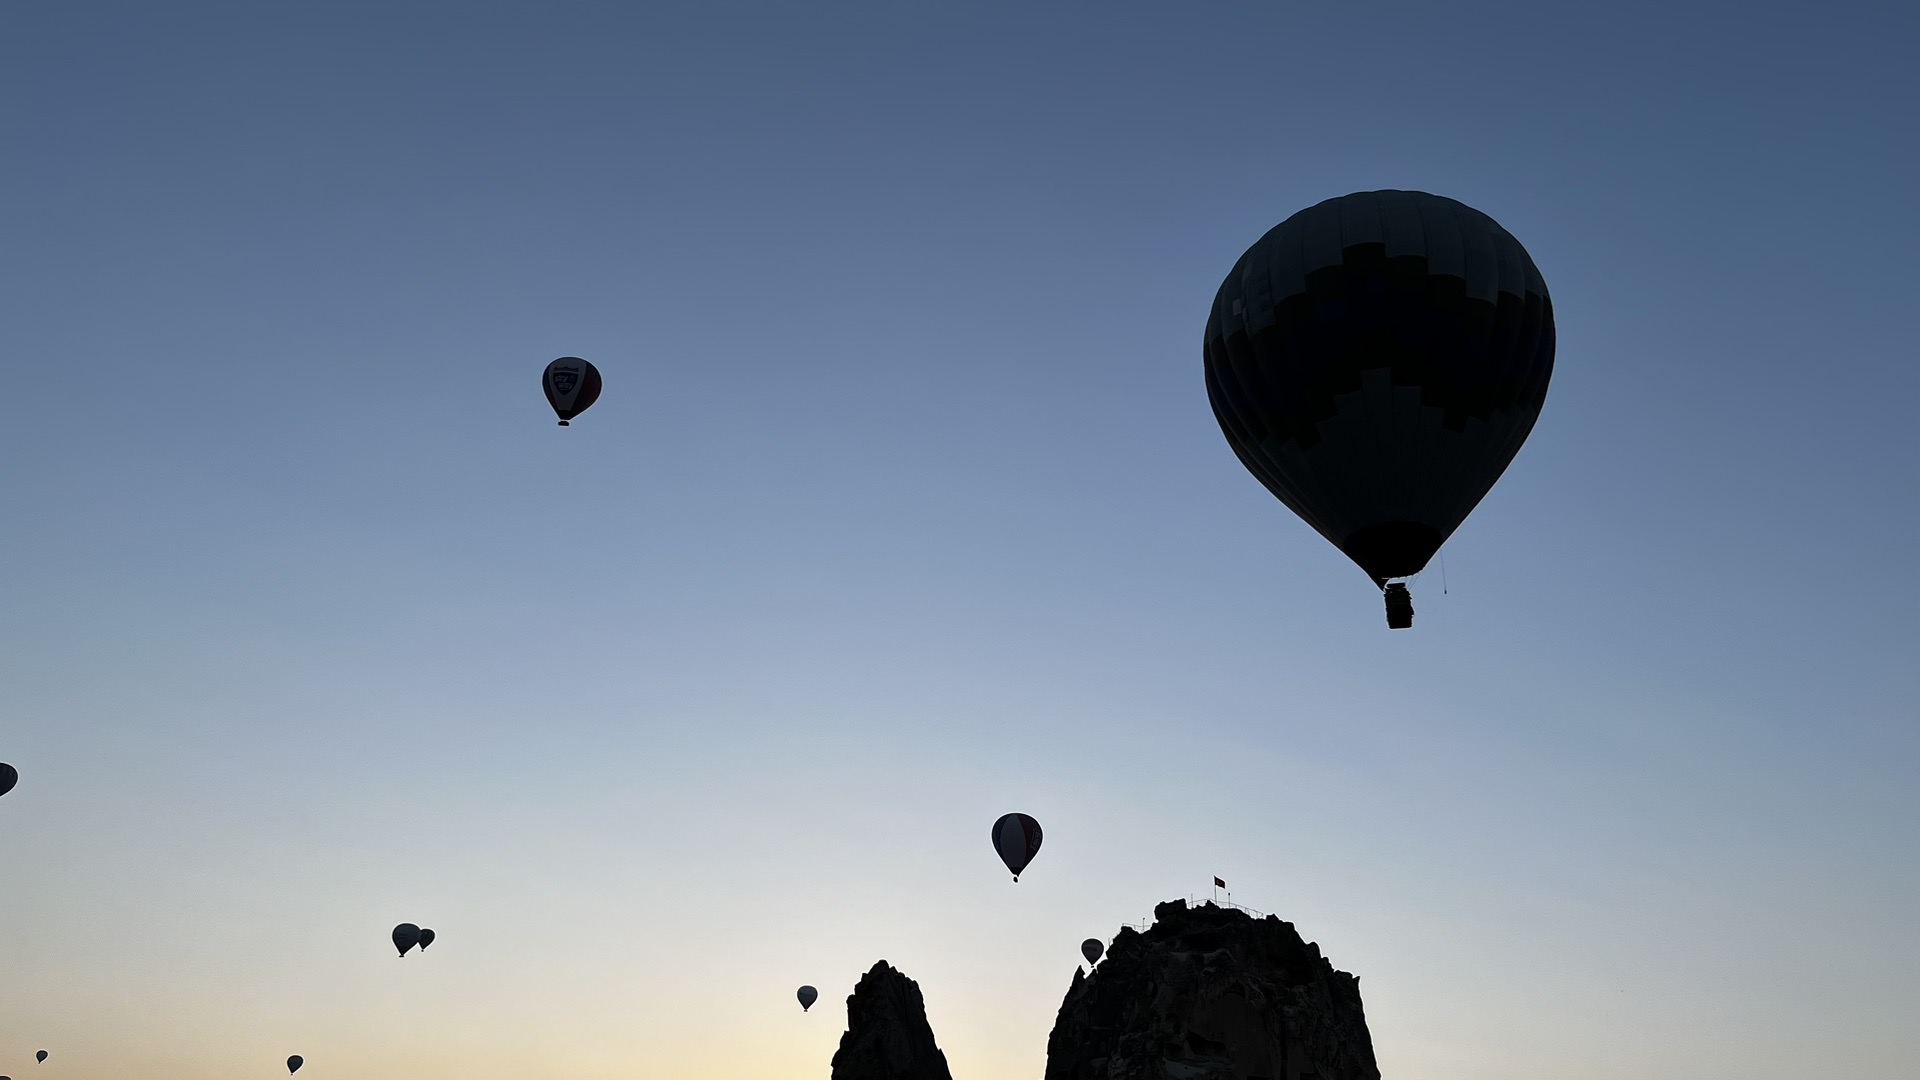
{"points": [[887, 1033], [1211, 993]]}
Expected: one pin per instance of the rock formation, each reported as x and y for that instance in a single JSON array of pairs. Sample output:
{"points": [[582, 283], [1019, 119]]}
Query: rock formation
{"points": [[887, 1034], [1211, 993]]}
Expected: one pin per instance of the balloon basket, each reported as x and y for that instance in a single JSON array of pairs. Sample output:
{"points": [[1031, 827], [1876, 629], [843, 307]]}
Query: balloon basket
{"points": [[1399, 607]]}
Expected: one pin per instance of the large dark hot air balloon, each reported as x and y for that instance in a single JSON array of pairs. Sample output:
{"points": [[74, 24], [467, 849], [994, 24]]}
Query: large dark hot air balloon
{"points": [[405, 936], [40, 1056], [807, 995], [294, 1063], [9, 776], [1017, 838], [1091, 949], [1376, 361], [426, 938], [572, 385]]}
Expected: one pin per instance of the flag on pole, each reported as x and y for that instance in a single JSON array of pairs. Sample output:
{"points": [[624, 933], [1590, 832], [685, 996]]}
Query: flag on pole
{"points": [[1218, 884]]}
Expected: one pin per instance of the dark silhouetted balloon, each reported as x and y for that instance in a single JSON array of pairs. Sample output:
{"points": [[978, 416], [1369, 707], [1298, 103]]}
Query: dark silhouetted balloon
{"points": [[807, 995], [294, 1063], [1017, 838], [572, 385], [405, 936], [41, 1056], [1091, 949], [9, 776], [1376, 360], [426, 938]]}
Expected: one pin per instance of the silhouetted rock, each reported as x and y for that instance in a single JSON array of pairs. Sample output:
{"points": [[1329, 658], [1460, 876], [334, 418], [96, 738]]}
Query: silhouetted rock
{"points": [[887, 1033], [1211, 993]]}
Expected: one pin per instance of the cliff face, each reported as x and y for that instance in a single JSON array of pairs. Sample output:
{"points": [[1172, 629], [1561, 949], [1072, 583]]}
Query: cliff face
{"points": [[1211, 993], [887, 1033]]}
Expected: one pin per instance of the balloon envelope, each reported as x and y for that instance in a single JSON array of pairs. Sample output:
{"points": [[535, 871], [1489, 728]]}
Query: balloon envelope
{"points": [[1017, 838], [807, 995], [1376, 360], [405, 936], [572, 385], [8, 777], [1091, 949], [294, 1063], [426, 938], [41, 1056]]}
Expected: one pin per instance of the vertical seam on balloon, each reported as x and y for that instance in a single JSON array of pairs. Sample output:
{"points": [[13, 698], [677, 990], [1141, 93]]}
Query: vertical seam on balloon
{"points": [[1310, 476], [1451, 480], [1292, 490]]}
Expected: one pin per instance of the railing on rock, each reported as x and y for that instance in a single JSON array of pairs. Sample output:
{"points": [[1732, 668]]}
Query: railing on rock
{"points": [[1193, 901]]}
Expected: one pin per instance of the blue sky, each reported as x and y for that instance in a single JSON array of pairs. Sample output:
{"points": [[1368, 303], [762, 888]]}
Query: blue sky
{"points": [[903, 508]]}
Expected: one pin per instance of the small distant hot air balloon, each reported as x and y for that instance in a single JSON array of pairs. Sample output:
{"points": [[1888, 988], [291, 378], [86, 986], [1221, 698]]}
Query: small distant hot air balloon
{"points": [[807, 995], [1091, 949], [572, 385], [426, 938], [294, 1063], [9, 776], [1017, 838], [405, 936], [41, 1056]]}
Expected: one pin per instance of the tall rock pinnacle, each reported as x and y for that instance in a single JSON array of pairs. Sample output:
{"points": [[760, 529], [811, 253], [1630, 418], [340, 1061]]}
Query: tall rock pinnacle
{"points": [[1211, 993], [887, 1033]]}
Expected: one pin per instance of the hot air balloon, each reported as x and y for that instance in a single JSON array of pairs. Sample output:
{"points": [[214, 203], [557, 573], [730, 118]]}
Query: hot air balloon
{"points": [[405, 936], [1376, 360], [807, 995], [1091, 949], [572, 385], [426, 939], [1017, 838], [294, 1063], [41, 1056], [9, 776]]}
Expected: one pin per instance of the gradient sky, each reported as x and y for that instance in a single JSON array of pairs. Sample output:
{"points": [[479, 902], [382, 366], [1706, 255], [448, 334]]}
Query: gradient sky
{"points": [[904, 508]]}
